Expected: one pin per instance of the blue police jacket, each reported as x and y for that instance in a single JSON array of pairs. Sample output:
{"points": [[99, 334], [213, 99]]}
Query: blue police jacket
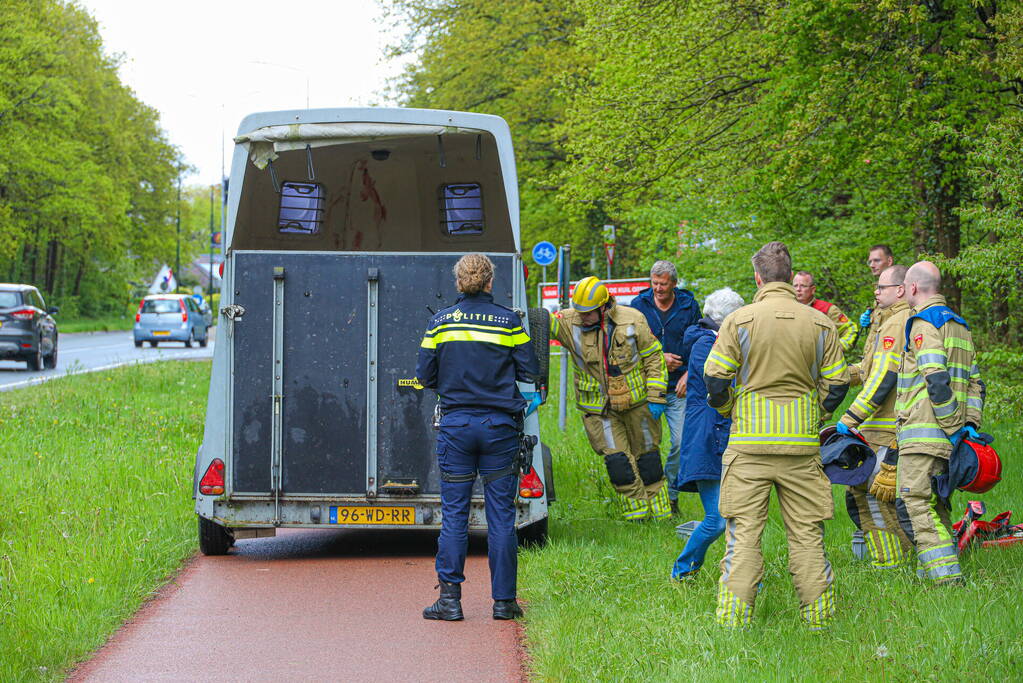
{"points": [[472, 354], [706, 434], [670, 330]]}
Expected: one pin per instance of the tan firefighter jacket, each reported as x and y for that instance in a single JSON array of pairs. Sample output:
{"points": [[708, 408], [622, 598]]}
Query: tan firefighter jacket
{"points": [[788, 369], [630, 372], [940, 389], [848, 330], [859, 372], [873, 411]]}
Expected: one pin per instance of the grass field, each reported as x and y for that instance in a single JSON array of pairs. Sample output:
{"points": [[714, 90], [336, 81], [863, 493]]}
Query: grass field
{"points": [[602, 606], [95, 324], [96, 514]]}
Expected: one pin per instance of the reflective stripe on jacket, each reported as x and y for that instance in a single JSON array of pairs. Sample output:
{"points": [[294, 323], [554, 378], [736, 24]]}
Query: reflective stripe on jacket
{"points": [[859, 372], [939, 385], [633, 349], [873, 411], [783, 355], [473, 353]]}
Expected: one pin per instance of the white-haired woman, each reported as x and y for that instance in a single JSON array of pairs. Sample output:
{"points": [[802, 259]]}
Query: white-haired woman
{"points": [[705, 436]]}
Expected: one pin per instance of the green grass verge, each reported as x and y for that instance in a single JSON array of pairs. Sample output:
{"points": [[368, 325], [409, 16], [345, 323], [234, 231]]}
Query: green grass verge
{"points": [[602, 606], [95, 324], [95, 484]]}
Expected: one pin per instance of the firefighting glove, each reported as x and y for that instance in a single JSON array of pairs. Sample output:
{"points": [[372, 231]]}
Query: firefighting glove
{"points": [[656, 409], [883, 487], [865, 318]]}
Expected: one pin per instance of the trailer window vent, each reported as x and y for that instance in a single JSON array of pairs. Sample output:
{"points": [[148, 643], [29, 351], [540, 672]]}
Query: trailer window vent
{"points": [[301, 208], [461, 209]]}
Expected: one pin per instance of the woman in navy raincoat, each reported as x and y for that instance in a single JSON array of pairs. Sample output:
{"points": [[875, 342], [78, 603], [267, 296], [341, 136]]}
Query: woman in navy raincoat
{"points": [[705, 436]]}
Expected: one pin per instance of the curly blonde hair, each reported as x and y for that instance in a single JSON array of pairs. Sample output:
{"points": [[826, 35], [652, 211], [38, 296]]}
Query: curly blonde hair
{"points": [[473, 273]]}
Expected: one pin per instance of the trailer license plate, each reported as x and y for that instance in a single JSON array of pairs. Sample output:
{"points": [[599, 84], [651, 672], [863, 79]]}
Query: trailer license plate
{"points": [[160, 333], [362, 514]]}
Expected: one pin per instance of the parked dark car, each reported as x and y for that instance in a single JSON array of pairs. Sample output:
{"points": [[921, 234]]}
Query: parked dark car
{"points": [[28, 331], [171, 317]]}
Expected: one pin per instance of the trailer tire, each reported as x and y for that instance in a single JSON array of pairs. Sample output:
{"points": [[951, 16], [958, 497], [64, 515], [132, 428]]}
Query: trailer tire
{"points": [[540, 336], [213, 538], [534, 534], [548, 472]]}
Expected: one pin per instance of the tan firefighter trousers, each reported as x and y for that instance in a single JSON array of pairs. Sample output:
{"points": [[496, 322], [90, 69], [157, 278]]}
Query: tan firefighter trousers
{"points": [[629, 441], [804, 495], [925, 518], [887, 543]]}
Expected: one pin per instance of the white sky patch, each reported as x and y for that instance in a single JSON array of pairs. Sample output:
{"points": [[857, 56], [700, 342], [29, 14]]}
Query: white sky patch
{"points": [[206, 65]]}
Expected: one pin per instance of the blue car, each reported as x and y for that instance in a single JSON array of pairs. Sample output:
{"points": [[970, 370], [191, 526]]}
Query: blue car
{"points": [[171, 317]]}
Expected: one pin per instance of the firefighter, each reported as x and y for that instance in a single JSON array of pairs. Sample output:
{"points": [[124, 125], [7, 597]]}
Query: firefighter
{"points": [[940, 400], [620, 386], [879, 259], [472, 354], [873, 415], [777, 369], [806, 292]]}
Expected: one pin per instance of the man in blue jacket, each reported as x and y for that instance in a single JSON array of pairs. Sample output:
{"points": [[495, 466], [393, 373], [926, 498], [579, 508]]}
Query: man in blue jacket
{"points": [[670, 311]]}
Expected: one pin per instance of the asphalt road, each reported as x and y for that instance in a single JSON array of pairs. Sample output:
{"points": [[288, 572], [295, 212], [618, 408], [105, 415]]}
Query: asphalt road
{"points": [[313, 605], [92, 351]]}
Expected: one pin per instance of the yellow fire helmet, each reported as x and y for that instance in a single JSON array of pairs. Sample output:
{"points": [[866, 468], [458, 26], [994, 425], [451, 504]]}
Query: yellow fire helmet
{"points": [[589, 294]]}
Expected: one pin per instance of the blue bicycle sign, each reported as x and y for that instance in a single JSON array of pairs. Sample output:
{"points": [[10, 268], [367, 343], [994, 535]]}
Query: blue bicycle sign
{"points": [[544, 253]]}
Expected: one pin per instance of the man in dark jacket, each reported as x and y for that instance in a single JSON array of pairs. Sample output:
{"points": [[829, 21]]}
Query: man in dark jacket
{"points": [[670, 311]]}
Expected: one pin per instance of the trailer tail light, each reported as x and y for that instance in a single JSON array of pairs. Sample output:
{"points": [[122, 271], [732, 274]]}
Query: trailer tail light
{"points": [[184, 313], [212, 483], [530, 485], [24, 314], [221, 270]]}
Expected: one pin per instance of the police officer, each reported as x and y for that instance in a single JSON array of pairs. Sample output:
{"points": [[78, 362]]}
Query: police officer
{"points": [[776, 369], [873, 415], [472, 354], [940, 400], [620, 383], [806, 293]]}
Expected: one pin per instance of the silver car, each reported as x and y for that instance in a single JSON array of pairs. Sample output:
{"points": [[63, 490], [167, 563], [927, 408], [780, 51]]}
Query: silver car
{"points": [[171, 317]]}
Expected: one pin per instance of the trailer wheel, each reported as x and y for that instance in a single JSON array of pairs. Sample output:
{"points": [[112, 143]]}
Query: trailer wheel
{"points": [[548, 472], [540, 336], [213, 538], [534, 534]]}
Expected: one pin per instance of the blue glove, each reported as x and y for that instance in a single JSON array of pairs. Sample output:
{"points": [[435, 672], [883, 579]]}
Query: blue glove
{"points": [[865, 318], [534, 401], [841, 428], [967, 431], [656, 409]]}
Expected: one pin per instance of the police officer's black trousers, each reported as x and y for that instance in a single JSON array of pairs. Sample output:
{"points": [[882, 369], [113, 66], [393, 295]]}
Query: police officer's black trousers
{"points": [[484, 442]]}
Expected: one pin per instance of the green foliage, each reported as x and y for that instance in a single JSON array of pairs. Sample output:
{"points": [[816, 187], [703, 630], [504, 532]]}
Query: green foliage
{"points": [[86, 173], [830, 124], [96, 515]]}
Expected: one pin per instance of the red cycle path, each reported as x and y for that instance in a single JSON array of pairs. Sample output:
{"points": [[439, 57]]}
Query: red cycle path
{"points": [[313, 605]]}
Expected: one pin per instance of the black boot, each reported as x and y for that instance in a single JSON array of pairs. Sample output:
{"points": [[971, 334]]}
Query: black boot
{"points": [[507, 609], [448, 606]]}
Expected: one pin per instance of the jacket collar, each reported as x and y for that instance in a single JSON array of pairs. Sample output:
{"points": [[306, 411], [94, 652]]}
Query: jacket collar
{"points": [[899, 305], [781, 290], [935, 300], [485, 297]]}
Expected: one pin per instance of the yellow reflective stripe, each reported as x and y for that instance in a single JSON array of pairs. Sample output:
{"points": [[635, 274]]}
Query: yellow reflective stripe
{"points": [[723, 360], [474, 336], [495, 328], [958, 343], [650, 349], [834, 370]]}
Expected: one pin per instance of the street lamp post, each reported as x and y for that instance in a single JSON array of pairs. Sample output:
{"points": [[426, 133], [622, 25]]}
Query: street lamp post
{"points": [[177, 257]]}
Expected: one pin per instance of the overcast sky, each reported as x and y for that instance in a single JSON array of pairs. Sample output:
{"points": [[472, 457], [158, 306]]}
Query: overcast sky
{"points": [[205, 65]]}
